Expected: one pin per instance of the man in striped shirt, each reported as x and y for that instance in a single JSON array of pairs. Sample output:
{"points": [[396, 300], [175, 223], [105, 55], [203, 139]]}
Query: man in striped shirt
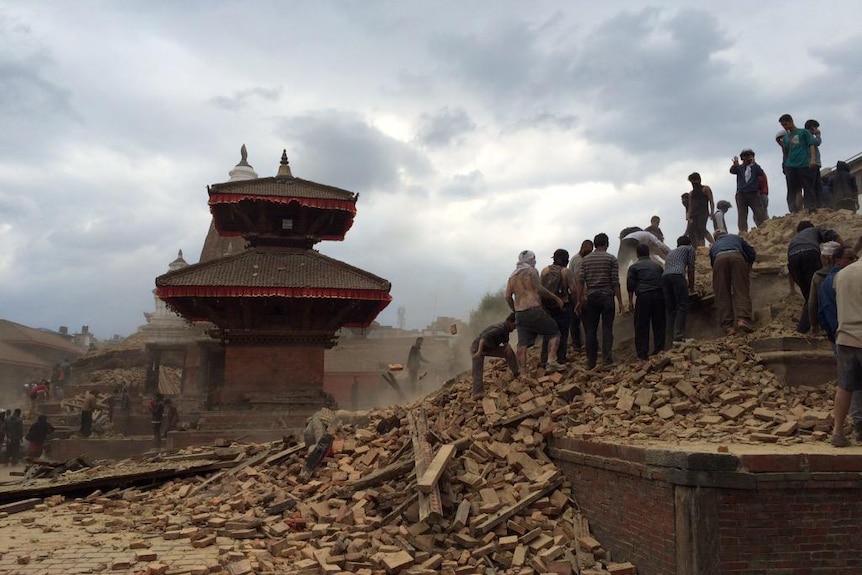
{"points": [[678, 266], [600, 278]]}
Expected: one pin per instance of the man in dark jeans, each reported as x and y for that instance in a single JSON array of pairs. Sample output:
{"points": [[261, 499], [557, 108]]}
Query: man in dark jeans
{"points": [[646, 301], [575, 273], [600, 279], [678, 266]]}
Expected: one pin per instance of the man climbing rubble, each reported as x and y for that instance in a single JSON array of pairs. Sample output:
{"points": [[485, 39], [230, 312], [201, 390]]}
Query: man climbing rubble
{"points": [[493, 341]]}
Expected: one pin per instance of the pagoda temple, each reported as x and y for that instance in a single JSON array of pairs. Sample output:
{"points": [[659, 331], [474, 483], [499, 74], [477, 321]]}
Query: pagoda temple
{"points": [[273, 303]]}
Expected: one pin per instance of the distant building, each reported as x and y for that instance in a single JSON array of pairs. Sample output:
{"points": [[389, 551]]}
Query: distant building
{"points": [[27, 353]]}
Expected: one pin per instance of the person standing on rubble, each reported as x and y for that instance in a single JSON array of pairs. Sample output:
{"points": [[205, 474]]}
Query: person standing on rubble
{"points": [[803, 261], [524, 294], [87, 409], [678, 267], [157, 412], [493, 341], [731, 258], [748, 175], [848, 339], [827, 316], [415, 359], [700, 206], [36, 436], [827, 253], [646, 302], [555, 278], [14, 435], [599, 285], [575, 273]]}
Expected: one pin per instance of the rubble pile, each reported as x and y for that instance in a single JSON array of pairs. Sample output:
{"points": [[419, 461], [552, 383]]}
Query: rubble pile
{"points": [[459, 485], [450, 485]]}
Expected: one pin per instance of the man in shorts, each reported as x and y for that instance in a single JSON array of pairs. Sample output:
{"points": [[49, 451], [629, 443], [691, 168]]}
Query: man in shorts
{"points": [[848, 296], [524, 294]]}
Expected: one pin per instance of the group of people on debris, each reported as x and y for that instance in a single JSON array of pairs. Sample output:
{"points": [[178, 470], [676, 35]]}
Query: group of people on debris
{"points": [[12, 436], [585, 289]]}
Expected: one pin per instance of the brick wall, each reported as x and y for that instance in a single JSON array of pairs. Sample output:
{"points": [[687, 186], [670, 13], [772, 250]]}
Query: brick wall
{"points": [[759, 513], [791, 530], [264, 369], [632, 517]]}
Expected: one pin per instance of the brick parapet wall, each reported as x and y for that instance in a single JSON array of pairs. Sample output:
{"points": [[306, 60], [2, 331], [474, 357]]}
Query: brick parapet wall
{"points": [[693, 512]]}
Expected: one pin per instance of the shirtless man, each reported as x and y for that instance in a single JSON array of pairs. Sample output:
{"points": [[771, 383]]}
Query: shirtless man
{"points": [[523, 294]]}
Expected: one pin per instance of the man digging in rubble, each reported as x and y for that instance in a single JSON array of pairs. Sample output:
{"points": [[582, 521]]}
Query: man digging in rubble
{"points": [[731, 258], [493, 341], [523, 294]]}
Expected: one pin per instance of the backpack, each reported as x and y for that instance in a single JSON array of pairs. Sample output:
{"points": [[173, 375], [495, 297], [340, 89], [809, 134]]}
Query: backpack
{"points": [[763, 183], [553, 281]]}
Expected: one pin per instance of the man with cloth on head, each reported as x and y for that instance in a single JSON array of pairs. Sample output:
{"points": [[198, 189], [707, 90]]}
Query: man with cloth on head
{"points": [[493, 341], [523, 294], [731, 258], [748, 195]]}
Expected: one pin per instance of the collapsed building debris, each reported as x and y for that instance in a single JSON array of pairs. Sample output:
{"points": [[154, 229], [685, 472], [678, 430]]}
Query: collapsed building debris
{"points": [[459, 485]]}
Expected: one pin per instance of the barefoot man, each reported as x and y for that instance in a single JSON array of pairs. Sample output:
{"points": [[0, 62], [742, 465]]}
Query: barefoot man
{"points": [[523, 294]]}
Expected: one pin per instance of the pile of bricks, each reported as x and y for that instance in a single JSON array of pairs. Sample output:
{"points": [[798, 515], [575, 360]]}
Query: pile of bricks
{"points": [[457, 487]]}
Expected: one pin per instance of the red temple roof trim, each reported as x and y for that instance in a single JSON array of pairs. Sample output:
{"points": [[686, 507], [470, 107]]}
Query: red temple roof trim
{"points": [[320, 203], [284, 187], [166, 292]]}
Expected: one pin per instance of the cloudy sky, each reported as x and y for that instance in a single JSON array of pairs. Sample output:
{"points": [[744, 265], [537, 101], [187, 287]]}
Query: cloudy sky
{"points": [[471, 130]]}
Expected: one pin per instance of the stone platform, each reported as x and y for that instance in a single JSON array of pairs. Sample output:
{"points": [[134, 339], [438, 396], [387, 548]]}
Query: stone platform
{"points": [[685, 509]]}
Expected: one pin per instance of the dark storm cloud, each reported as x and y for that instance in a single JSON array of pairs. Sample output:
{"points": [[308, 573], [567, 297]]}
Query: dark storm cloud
{"points": [[444, 127], [341, 149], [242, 98]]}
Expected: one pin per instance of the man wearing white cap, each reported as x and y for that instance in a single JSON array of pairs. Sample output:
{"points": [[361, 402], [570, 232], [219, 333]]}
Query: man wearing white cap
{"points": [[826, 252]]}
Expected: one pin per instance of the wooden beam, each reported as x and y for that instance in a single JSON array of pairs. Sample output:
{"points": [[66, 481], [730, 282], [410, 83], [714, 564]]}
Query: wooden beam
{"points": [[438, 464], [515, 508]]}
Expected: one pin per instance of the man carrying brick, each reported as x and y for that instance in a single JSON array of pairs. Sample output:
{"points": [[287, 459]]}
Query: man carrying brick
{"points": [[848, 296]]}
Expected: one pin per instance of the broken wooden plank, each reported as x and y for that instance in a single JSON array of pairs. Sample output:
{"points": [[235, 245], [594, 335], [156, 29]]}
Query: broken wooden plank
{"points": [[429, 479], [516, 508]]}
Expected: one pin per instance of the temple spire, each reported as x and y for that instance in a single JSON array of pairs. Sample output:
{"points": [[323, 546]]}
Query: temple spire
{"points": [[284, 168], [243, 170]]}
